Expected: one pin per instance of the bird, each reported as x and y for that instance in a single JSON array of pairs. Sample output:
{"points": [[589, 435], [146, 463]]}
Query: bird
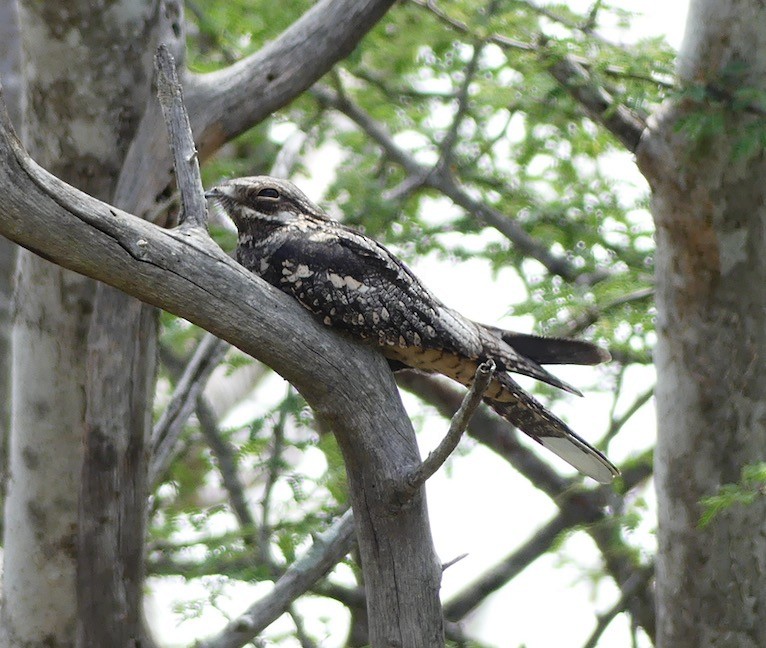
{"points": [[355, 284]]}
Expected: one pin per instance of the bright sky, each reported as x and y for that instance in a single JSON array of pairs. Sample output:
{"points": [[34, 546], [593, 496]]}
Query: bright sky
{"points": [[474, 505]]}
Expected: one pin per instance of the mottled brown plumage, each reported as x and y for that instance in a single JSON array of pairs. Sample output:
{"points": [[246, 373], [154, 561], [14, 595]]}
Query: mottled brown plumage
{"points": [[354, 284]]}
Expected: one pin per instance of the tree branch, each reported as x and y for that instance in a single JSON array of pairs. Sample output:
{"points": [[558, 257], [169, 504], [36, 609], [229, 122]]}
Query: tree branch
{"points": [[442, 180], [224, 104], [227, 468], [459, 423], [571, 73], [185, 159], [206, 358], [621, 121], [638, 581], [499, 575], [328, 549], [589, 505], [347, 384]]}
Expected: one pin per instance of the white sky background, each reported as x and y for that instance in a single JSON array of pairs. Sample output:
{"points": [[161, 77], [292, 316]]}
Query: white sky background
{"points": [[479, 506]]}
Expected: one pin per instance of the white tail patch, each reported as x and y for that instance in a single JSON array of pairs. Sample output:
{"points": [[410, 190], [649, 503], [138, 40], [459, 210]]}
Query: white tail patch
{"points": [[587, 460]]}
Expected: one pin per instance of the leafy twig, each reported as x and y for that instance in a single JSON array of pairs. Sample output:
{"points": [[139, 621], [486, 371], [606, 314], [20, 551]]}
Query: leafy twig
{"points": [[442, 180]]}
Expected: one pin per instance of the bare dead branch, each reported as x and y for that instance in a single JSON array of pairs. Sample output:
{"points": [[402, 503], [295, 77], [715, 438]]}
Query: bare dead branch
{"points": [[347, 384], [225, 103], [328, 549], [207, 356], [453, 561], [488, 429], [185, 159], [458, 425]]}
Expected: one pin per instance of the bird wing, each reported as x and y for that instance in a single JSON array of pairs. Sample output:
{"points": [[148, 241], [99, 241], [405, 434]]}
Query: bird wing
{"points": [[356, 284]]}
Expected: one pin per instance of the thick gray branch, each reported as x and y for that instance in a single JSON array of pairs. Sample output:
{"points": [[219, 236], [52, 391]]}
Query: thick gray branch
{"points": [[225, 103], [347, 384]]}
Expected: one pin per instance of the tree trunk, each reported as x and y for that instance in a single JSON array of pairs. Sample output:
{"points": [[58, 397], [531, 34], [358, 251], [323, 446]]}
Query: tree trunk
{"points": [[10, 74], [78, 126], [709, 205]]}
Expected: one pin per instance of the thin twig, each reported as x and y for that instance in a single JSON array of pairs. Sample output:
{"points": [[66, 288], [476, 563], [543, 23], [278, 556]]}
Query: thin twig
{"points": [[274, 465], [207, 356], [224, 454], [185, 159], [447, 145], [617, 423], [300, 629], [459, 423], [442, 180], [454, 561], [625, 124], [592, 314], [637, 581], [507, 43], [589, 505]]}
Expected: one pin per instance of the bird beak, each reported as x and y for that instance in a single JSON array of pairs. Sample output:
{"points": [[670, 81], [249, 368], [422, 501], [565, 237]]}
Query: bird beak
{"points": [[213, 193]]}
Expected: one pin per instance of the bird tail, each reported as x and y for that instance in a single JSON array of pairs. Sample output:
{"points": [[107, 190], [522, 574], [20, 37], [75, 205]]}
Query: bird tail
{"points": [[549, 350], [532, 418], [508, 358]]}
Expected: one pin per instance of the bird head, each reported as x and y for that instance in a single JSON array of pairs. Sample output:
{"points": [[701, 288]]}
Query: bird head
{"points": [[261, 201]]}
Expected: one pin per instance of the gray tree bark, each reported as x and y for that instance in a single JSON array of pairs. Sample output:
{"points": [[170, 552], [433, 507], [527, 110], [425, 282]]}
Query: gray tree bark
{"points": [[10, 76], [709, 205], [79, 126]]}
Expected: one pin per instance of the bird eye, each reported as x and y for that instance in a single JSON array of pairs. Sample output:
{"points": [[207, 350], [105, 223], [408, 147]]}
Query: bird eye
{"points": [[268, 192]]}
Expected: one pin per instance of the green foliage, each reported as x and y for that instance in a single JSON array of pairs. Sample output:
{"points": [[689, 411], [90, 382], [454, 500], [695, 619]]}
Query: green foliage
{"points": [[750, 487]]}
